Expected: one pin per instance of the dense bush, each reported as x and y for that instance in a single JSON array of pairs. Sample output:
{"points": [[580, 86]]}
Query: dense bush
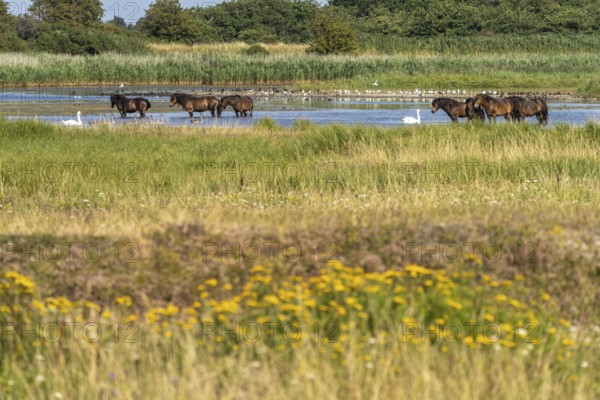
{"points": [[256, 50], [75, 40], [333, 33]]}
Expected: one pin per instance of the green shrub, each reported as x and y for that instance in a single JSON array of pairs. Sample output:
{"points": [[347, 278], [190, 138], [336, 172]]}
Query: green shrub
{"points": [[256, 50], [334, 34], [75, 40]]}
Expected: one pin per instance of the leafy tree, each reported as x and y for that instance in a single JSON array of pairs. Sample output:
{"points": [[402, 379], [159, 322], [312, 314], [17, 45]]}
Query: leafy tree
{"points": [[26, 27], [3, 9], [166, 20], [62, 37], [260, 20], [78, 12], [118, 22], [334, 33]]}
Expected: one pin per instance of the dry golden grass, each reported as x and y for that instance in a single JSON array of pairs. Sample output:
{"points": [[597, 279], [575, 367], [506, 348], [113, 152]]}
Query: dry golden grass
{"points": [[233, 47]]}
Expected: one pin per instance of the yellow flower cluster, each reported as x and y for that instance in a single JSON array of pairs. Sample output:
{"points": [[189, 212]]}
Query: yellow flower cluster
{"points": [[19, 283], [341, 305]]}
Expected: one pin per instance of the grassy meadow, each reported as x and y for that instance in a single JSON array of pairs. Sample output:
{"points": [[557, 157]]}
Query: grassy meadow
{"points": [[311, 261]]}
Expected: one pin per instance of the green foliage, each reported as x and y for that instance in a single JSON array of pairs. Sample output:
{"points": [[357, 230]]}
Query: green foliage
{"points": [[333, 33], [424, 19], [476, 44], [256, 50], [78, 12], [288, 21], [166, 20], [590, 89], [118, 22], [9, 40], [76, 40], [26, 27]]}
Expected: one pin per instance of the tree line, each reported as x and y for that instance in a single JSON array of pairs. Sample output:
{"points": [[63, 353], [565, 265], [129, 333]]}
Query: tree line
{"points": [[76, 27]]}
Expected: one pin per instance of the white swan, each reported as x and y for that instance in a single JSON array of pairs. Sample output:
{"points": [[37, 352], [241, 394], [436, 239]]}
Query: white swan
{"points": [[411, 120], [375, 83], [72, 121]]}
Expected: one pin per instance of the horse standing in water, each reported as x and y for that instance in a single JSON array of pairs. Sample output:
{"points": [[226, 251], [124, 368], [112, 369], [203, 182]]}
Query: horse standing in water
{"points": [[240, 104], [126, 105], [494, 107], [474, 113], [456, 109], [192, 103], [530, 107]]}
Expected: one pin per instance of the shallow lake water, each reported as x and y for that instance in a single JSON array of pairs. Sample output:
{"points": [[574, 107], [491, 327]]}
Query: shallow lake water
{"points": [[56, 104]]}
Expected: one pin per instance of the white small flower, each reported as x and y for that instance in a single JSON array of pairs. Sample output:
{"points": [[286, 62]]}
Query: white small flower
{"points": [[372, 340], [40, 378], [310, 375], [255, 364], [39, 357], [585, 364], [11, 382], [58, 395], [86, 200], [369, 365], [573, 329]]}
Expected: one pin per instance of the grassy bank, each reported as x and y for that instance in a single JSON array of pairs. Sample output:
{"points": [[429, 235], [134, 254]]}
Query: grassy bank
{"points": [[373, 243]]}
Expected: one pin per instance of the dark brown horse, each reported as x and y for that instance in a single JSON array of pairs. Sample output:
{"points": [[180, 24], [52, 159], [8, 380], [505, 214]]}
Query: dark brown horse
{"points": [[472, 112], [192, 103], [456, 109], [494, 107], [530, 107], [126, 105], [516, 102], [240, 104]]}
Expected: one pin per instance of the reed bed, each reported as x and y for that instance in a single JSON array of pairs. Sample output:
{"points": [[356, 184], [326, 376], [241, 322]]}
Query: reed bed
{"points": [[527, 71]]}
